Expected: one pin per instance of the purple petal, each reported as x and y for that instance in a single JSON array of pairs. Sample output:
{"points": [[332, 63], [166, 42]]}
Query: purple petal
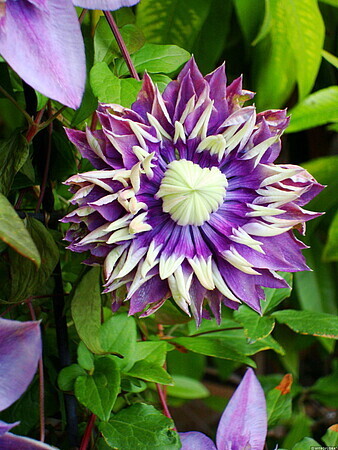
{"points": [[244, 421], [44, 46], [11, 441], [193, 440], [4, 427], [105, 5], [20, 351]]}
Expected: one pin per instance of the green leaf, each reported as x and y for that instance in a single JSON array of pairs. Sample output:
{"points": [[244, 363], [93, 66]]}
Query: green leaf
{"points": [[13, 154], [325, 389], [155, 58], [330, 438], [190, 364], [86, 309], [41, 99], [331, 247], [141, 427], [212, 347], [132, 385], [187, 388], [14, 233], [118, 335], [255, 326], [250, 15], [279, 401], [150, 371], [305, 33], [267, 343], [151, 351], [300, 429], [68, 375], [331, 2], [84, 357], [306, 444], [105, 45], [317, 109], [160, 80], [98, 391], [332, 59], [26, 279], [165, 22], [275, 296], [274, 60], [308, 322], [110, 89]]}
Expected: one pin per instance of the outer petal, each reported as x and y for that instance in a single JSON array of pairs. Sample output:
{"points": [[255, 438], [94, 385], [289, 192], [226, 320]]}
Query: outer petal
{"points": [[4, 427], [244, 421], [20, 351], [193, 440], [11, 441], [44, 46], [106, 5]]}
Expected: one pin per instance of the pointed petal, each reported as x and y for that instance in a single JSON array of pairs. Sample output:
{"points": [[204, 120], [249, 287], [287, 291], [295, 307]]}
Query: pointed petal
{"points": [[244, 421], [4, 427], [105, 5], [20, 351], [193, 440], [11, 441], [44, 46]]}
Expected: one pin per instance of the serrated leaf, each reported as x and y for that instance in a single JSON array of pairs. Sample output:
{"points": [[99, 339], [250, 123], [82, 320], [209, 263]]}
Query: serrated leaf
{"points": [[99, 391], [26, 279], [14, 233], [211, 347], [110, 89], [187, 388], [165, 22], [155, 58], [68, 375], [140, 426], [305, 34], [86, 310], [13, 154], [317, 109], [255, 326], [308, 322]]}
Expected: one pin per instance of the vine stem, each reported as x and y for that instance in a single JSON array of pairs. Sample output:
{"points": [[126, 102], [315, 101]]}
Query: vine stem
{"points": [[163, 401], [41, 383], [121, 44], [88, 432]]}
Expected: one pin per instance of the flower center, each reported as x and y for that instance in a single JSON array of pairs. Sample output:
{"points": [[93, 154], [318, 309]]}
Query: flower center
{"points": [[189, 193]]}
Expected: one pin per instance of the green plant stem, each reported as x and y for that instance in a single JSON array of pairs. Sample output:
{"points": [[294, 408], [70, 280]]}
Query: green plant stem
{"points": [[16, 104], [121, 44]]}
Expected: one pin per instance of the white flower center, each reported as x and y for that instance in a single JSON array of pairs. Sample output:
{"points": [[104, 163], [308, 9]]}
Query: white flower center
{"points": [[189, 193]]}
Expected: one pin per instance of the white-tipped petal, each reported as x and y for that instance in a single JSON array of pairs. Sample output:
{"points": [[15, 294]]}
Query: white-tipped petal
{"points": [[169, 264], [215, 144], [111, 259], [179, 132], [203, 271], [177, 296], [264, 229], [201, 126], [134, 256], [242, 237], [259, 210], [189, 107], [120, 235], [221, 284], [137, 225], [235, 259], [160, 131], [151, 258]]}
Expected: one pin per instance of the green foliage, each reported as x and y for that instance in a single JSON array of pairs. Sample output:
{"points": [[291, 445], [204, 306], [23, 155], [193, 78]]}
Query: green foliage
{"points": [[140, 426]]}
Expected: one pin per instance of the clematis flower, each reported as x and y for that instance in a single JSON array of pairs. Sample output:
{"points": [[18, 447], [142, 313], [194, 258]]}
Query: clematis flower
{"points": [[20, 351], [243, 424], [185, 200], [41, 40]]}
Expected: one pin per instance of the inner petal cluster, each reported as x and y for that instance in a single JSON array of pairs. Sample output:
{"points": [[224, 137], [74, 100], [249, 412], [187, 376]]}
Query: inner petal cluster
{"points": [[191, 193]]}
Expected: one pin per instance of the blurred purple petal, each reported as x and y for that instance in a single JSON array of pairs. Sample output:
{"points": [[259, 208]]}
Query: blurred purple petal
{"points": [[105, 5], [11, 441], [244, 421], [4, 427], [42, 42], [193, 440], [20, 351]]}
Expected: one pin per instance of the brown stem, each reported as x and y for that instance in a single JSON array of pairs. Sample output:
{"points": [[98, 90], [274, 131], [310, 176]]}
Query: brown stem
{"points": [[34, 127], [88, 432], [163, 401], [41, 384], [122, 45]]}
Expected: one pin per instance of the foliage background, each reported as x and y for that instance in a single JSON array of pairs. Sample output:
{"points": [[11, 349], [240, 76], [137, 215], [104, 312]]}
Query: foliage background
{"points": [[285, 51]]}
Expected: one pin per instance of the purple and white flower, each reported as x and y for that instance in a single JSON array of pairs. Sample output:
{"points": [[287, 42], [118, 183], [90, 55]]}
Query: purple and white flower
{"points": [[42, 41], [185, 200], [243, 424]]}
